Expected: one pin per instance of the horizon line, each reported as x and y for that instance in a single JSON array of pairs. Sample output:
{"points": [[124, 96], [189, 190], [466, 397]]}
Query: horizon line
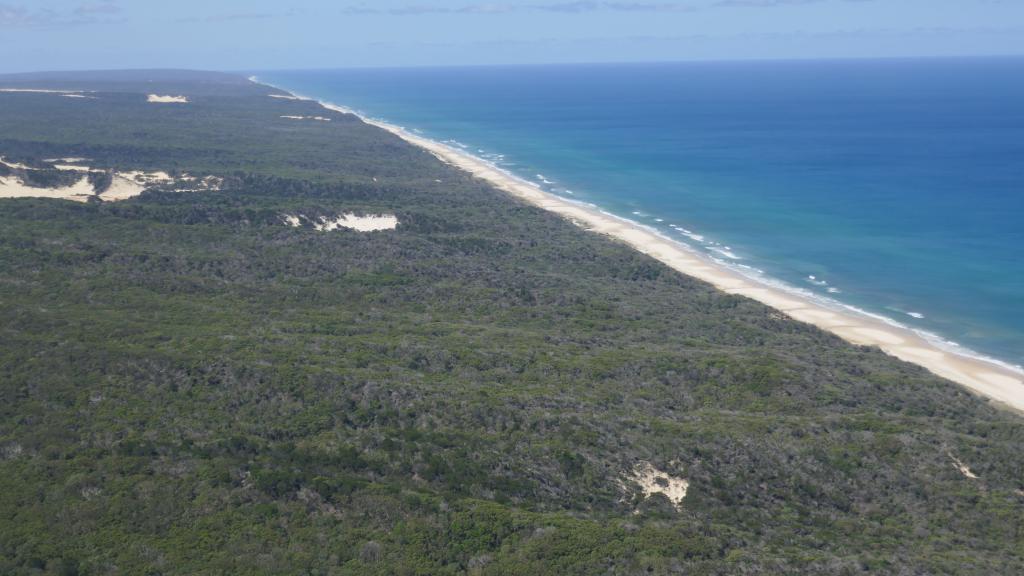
{"points": [[765, 60]]}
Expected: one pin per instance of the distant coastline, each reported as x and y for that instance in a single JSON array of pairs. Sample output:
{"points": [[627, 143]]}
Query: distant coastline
{"points": [[990, 377]]}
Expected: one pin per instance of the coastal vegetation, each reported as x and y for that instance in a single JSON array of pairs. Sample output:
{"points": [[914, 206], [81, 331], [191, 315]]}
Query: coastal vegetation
{"points": [[193, 385]]}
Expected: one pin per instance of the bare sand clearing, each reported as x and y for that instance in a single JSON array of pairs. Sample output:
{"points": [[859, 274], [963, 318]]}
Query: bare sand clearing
{"points": [[40, 91], [147, 177], [996, 381], [79, 94], [11, 187], [15, 165], [123, 185], [963, 468], [368, 223], [157, 99], [65, 160], [122, 188], [653, 481], [319, 118]]}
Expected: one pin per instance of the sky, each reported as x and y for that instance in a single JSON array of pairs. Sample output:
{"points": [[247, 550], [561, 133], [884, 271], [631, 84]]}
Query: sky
{"points": [[271, 34]]}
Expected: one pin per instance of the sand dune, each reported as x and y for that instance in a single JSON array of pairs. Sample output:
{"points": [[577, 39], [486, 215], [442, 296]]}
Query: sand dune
{"points": [[157, 99], [653, 481], [124, 185], [368, 223], [319, 118], [40, 91], [12, 187]]}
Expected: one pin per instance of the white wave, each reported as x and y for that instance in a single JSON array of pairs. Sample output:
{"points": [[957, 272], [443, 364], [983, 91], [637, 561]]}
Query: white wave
{"points": [[727, 253], [958, 349], [910, 313]]}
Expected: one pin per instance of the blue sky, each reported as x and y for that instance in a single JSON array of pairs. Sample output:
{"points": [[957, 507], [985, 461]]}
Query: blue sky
{"points": [[268, 34]]}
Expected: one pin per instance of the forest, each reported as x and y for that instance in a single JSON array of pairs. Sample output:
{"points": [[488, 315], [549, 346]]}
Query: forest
{"points": [[193, 386]]}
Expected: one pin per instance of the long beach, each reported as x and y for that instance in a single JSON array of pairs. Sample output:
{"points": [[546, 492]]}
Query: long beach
{"points": [[1000, 383]]}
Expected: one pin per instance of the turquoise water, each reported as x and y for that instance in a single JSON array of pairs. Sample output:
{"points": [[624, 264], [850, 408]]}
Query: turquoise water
{"points": [[893, 186]]}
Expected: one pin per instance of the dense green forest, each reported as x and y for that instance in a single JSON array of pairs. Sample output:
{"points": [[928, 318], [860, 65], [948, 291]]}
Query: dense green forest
{"points": [[191, 386]]}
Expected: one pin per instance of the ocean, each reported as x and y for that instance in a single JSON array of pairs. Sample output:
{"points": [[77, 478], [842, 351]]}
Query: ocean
{"points": [[895, 187]]}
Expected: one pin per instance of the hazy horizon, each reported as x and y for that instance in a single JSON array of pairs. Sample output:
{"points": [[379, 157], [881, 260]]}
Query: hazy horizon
{"points": [[316, 34], [256, 71]]}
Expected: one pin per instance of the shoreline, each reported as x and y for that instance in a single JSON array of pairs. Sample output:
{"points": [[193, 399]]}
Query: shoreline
{"points": [[988, 377]]}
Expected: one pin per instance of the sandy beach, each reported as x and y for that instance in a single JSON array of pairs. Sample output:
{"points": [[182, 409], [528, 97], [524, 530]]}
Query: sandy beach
{"points": [[1003, 384]]}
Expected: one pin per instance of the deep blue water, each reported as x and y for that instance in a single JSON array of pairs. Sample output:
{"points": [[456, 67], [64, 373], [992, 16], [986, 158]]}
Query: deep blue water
{"points": [[897, 185]]}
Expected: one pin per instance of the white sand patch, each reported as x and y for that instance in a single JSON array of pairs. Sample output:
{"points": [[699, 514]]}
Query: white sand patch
{"points": [[193, 184], [64, 93], [122, 188], [124, 185], [15, 165], [12, 187], [963, 468], [40, 91], [206, 184], [74, 168], [653, 481], [65, 160], [371, 223], [129, 184], [318, 118], [158, 177], [157, 99]]}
